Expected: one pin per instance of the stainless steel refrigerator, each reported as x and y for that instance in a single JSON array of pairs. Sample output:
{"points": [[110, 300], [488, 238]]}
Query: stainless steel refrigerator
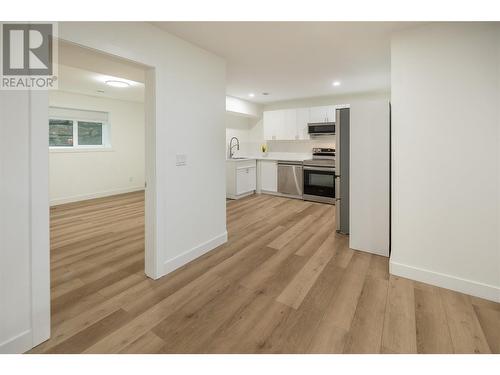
{"points": [[342, 116]]}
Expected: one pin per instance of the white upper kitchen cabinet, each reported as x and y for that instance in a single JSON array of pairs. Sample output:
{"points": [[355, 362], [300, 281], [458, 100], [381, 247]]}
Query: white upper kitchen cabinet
{"points": [[302, 119], [274, 122], [290, 125], [330, 113], [322, 114]]}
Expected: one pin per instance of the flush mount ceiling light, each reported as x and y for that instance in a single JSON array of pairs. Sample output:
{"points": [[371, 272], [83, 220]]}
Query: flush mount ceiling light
{"points": [[336, 83], [115, 83], [251, 95]]}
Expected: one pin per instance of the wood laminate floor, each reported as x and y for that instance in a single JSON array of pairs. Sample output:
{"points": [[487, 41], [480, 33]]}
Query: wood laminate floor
{"points": [[285, 282]]}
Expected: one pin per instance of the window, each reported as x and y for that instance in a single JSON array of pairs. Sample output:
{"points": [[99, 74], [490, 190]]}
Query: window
{"points": [[89, 133], [60, 133], [78, 129]]}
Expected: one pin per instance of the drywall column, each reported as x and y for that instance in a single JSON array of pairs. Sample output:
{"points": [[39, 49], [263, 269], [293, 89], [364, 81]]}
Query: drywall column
{"points": [[369, 176], [445, 127], [24, 221]]}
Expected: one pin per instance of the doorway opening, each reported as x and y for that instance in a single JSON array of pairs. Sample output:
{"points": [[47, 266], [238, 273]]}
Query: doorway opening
{"points": [[98, 168]]}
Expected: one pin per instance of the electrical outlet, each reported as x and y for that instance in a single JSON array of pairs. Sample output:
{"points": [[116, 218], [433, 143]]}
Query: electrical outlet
{"points": [[180, 159]]}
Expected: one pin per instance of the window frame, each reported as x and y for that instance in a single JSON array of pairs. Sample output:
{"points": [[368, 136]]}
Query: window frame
{"points": [[106, 136]]}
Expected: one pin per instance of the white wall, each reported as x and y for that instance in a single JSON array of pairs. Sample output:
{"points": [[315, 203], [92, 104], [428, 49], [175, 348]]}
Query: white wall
{"points": [[238, 126], [369, 176], [78, 175], [190, 201], [445, 116], [243, 107]]}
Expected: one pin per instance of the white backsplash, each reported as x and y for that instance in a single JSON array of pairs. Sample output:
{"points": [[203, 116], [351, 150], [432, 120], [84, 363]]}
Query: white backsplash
{"points": [[301, 146]]}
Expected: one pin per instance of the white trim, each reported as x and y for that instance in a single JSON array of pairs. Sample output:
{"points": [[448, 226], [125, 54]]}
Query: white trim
{"points": [[474, 288], [102, 194], [152, 264], [80, 149], [188, 256], [39, 218], [242, 195], [383, 253], [17, 344]]}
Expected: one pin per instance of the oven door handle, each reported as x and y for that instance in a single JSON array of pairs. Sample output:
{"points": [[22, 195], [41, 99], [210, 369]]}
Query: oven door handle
{"points": [[322, 169]]}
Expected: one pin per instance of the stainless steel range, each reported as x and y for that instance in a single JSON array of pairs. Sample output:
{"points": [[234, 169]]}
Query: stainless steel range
{"points": [[319, 176]]}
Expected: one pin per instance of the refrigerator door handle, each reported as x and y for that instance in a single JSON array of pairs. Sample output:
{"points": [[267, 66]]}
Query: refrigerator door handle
{"points": [[337, 214], [337, 188], [337, 141]]}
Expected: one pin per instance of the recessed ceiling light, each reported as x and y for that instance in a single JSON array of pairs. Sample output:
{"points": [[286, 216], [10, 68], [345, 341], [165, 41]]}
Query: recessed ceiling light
{"points": [[336, 83], [265, 93], [114, 83], [251, 95]]}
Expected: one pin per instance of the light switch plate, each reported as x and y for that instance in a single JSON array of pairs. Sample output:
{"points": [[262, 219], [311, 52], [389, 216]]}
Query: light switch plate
{"points": [[180, 159]]}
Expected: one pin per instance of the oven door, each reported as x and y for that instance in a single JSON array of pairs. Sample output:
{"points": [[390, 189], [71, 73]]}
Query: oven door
{"points": [[319, 184]]}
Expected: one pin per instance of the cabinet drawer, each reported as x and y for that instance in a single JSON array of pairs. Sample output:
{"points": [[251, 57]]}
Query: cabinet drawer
{"points": [[245, 164]]}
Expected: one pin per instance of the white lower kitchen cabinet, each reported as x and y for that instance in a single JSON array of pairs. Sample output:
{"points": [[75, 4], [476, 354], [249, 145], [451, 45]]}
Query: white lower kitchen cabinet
{"points": [[241, 177], [267, 176]]}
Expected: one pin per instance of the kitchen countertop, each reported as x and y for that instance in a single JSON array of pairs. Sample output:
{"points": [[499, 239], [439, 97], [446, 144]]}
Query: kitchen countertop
{"points": [[287, 156]]}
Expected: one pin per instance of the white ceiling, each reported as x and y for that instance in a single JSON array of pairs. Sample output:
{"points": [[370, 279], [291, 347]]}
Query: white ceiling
{"points": [[85, 71], [296, 59], [86, 82]]}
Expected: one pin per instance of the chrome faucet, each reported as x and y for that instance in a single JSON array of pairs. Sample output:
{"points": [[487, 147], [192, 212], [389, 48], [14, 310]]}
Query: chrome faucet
{"points": [[231, 153]]}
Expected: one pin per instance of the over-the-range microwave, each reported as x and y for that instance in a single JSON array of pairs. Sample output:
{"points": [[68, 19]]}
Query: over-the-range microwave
{"points": [[321, 128]]}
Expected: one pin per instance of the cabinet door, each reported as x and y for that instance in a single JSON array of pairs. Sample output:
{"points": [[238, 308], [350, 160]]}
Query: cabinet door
{"points": [[269, 175], [241, 181], [318, 114], [245, 180], [252, 178], [273, 125], [289, 125], [302, 119], [330, 113]]}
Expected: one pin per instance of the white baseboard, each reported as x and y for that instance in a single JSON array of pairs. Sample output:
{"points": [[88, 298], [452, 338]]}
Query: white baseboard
{"points": [[17, 344], [474, 288], [188, 256], [102, 194], [384, 253]]}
